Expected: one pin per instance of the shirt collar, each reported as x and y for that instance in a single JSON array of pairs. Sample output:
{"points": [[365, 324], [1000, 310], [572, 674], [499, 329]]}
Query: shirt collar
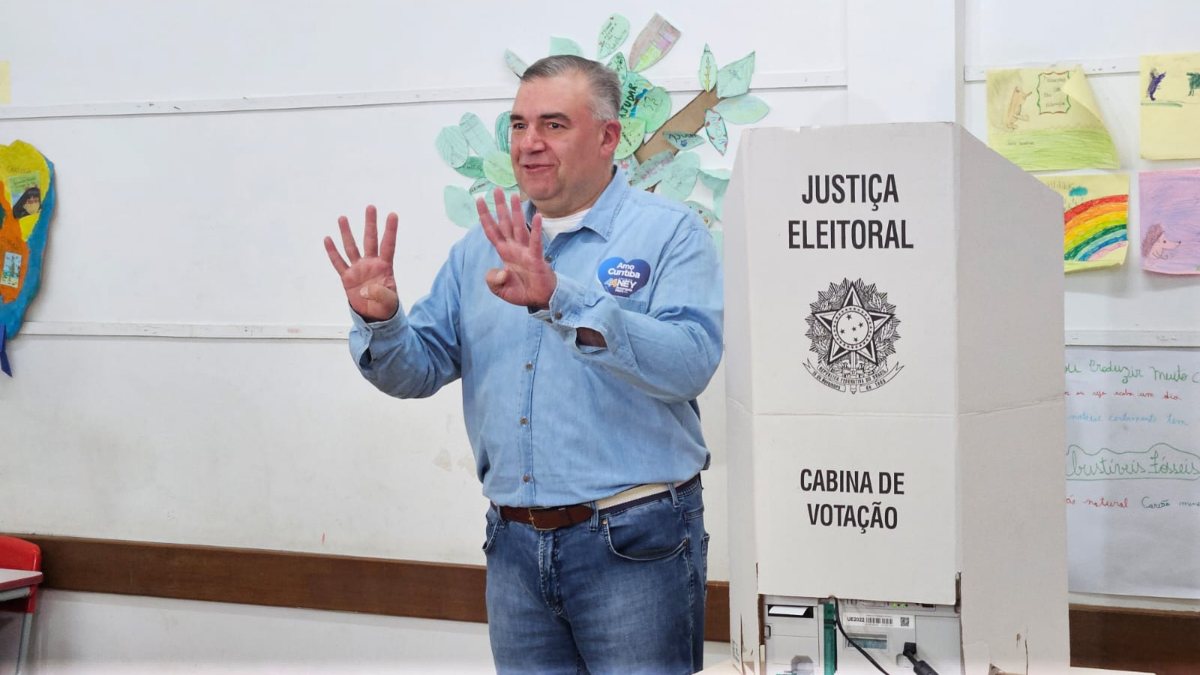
{"points": [[600, 218]]}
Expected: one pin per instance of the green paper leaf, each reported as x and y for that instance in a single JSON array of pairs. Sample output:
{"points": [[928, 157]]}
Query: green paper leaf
{"points": [[633, 132], [460, 208], [708, 69], [503, 130], [714, 126], [477, 135], [562, 45], [612, 35], [654, 107], [682, 140], [617, 64], [651, 171], [497, 166], [483, 185], [744, 109], [734, 78], [703, 212], [680, 177], [514, 63], [712, 182], [627, 164], [633, 89], [452, 146], [721, 174], [472, 168]]}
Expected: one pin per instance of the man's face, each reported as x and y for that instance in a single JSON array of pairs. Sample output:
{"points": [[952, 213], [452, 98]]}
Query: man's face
{"points": [[561, 154]]}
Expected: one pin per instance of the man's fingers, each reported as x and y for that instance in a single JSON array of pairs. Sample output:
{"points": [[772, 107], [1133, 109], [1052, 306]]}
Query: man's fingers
{"points": [[488, 223], [370, 233], [503, 219], [387, 247], [518, 221], [535, 235], [334, 257], [495, 279], [348, 244]]}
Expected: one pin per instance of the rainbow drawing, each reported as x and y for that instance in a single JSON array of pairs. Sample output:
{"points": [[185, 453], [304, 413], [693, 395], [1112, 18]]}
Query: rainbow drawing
{"points": [[1095, 219], [1095, 232]]}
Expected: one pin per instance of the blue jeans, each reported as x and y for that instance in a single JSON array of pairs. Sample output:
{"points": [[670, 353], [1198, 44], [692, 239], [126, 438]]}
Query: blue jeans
{"points": [[621, 593]]}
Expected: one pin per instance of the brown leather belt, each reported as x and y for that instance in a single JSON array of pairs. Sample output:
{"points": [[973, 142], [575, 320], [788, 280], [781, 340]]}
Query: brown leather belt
{"points": [[554, 517]]}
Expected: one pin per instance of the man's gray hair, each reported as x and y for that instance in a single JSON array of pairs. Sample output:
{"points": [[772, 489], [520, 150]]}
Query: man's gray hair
{"points": [[602, 80]]}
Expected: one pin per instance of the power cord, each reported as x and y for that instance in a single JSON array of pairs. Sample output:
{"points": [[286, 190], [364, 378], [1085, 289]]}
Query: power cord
{"points": [[837, 618], [919, 667]]}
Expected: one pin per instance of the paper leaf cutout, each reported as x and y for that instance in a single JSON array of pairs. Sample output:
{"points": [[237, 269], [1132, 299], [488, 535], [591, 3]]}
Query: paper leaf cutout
{"points": [[708, 69], [655, 108], [472, 168], [460, 208], [562, 45], [651, 171], [452, 146], [680, 177], [617, 64], [627, 164], [720, 174], [734, 78], [497, 166], [705, 214], [514, 63], [503, 129], [653, 43], [633, 88], [612, 35], [714, 183], [682, 140], [481, 186], [633, 132], [477, 135], [714, 126], [744, 109]]}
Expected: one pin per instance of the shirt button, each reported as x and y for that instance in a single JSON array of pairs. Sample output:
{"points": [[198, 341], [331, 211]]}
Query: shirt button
{"points": [[529, 366], [524, 421], [558, 315], [526, 478], [549, 258]]}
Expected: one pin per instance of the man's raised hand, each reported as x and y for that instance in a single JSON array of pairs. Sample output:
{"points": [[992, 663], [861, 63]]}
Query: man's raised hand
{"points": [[368, 278], [526, 278]]}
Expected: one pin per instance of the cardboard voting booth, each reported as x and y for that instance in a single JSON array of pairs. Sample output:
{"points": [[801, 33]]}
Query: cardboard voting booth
{"points": [[894, 336]]}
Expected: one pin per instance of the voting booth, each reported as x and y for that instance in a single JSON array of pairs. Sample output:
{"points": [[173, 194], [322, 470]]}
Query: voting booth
{"points": [[894, 356]]}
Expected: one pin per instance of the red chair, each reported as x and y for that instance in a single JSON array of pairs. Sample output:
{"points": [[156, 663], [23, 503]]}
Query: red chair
{"points": [[18, 554]]}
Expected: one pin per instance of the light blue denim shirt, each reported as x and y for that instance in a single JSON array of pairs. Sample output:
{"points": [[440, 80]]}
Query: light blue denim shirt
{"points": [[550, 422]]}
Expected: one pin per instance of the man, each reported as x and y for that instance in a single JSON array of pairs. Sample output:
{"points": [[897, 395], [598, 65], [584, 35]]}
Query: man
{"points": [[581, 351]]}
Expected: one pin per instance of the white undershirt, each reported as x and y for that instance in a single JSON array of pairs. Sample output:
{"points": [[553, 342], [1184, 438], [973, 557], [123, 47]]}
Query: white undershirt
{"points": [[553, 227]]}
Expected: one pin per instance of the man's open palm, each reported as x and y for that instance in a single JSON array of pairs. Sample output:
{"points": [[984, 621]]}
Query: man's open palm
{"points": [[526, 278], [368, 278]]}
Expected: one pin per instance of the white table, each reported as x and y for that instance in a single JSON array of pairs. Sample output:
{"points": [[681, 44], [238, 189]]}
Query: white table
{"points": [[14, 585], [17, 583]]}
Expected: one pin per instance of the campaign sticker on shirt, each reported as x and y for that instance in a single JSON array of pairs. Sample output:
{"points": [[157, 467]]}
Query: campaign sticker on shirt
{"points": [[621, 278]]}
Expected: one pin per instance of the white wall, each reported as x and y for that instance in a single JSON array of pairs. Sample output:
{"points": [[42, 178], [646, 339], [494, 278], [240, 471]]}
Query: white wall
{"points": [[207, 227]]}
